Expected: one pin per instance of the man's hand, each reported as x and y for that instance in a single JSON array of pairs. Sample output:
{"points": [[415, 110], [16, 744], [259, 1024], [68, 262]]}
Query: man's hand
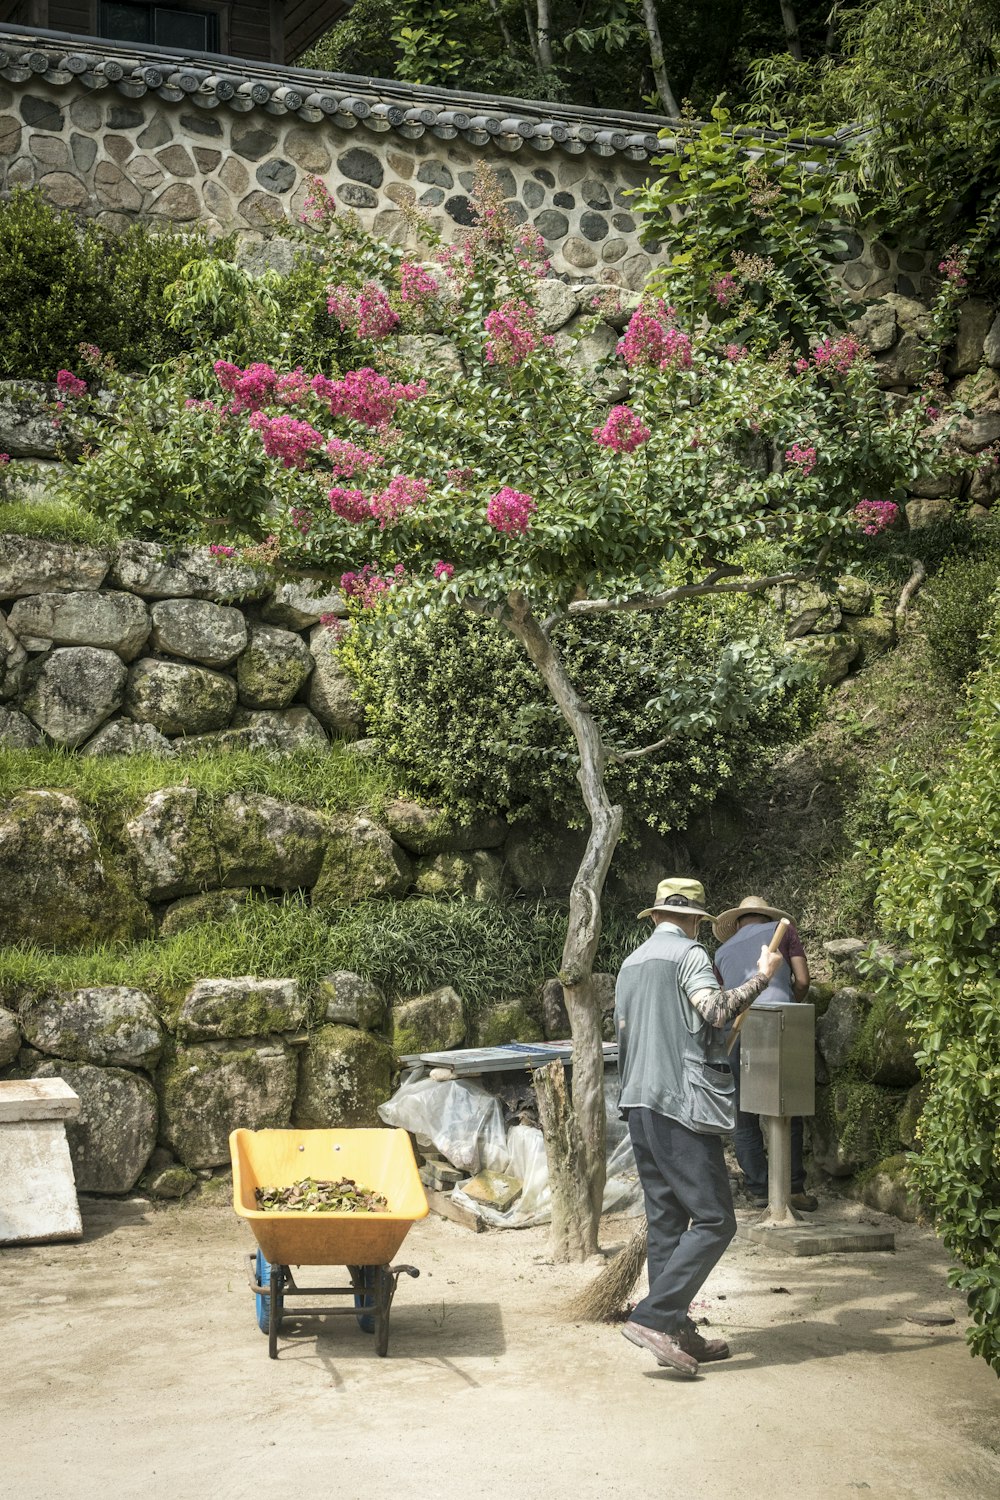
{"points": [[769, 963]]}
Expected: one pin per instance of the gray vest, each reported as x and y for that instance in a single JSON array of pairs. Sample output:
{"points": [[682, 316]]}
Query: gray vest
{"points": [[736, 961]]}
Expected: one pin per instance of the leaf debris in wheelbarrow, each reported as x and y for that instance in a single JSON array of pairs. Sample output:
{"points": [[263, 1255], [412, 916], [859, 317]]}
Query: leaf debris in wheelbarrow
{"points": [[314, 1196]]}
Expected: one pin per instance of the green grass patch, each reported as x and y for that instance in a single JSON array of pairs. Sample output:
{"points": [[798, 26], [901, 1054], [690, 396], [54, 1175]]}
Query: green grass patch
{"points": [[57, 520], [332, 780], [486, 951]]}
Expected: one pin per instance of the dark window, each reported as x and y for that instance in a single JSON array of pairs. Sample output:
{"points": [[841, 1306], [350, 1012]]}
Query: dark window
{"points": [[184, 30]]}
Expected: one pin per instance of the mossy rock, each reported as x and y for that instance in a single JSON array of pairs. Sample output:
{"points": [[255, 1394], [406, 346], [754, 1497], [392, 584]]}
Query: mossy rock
{"points": [[60, 887], [245, 1007], [820, 996], [346, 999], [909, 1116], [273, 667], [344, 1075], [114, 1026], [263, 841], [510, 1021], [207, 906], [112, 1138], [429, 830], [477, 874], [362, 862], [886, 1187], [429, 1023], [884, 1050], [855, 1124], [171, 844], [207, 1090]]}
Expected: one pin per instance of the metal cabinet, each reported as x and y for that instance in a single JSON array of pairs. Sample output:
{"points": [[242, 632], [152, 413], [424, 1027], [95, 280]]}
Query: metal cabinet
{"points": [[777, 1060]]}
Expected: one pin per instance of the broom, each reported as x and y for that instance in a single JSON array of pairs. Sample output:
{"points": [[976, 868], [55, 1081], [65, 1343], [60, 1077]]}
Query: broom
{"points": [[611, 1288]]}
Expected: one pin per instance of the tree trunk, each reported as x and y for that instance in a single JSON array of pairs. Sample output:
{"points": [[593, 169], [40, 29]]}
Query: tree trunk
{"points": [[564, 1154], [791, 29], [663, 88], [532, 36], [544, 33], [508, 40], [578, 1220]]}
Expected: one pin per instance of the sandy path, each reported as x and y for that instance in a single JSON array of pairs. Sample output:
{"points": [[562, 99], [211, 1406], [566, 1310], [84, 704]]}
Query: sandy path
{"points": [[133, 1367]]}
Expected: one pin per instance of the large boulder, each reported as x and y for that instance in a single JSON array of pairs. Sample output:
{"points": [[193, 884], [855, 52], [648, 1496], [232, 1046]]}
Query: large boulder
{"points": [[178, 698], [123, 737], [298, 606], [886, 1188], [346, 999], [209, 1089], [555, 302], [428, 830], [344, 1075], [17, 731], [158, 572], [331, 691], [244, 1007], [12, 659], [508, 1021], [10, 1037], [975, 319], [207, 906], [429, 354], [873, 635], [361, 863], [111, 1139], [27, 429], [830, 656], [855, 596], [59, 888], [854, 1126], [808, 609], [542, 859], [273, 667], [71, 691], [885, 1051], [116, 1027], [196, 629], [261, 841], [477, 874], [83, 617], [429, 1023], [838, 1030], [278, 729], [32, 565], [171, 844]]}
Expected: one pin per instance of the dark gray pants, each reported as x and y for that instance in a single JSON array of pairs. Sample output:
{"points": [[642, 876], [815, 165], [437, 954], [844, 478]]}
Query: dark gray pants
{"points": [[689, 1209]]}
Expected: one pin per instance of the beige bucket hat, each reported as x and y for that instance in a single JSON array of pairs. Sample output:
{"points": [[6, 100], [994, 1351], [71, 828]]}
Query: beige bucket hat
{"points": [[685, 898], [751, 906]]}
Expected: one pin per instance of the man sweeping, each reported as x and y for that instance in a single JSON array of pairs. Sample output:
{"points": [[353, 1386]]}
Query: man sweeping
{"points": [[677, 1095]]}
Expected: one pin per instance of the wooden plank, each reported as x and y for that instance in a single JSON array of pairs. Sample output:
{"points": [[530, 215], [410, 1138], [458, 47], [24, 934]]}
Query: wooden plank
{"points": [[441, 1204], [37, 1099]]}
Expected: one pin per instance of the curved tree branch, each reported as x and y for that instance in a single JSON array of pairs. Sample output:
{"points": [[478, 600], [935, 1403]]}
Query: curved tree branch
{"points": [[711, 585], [914, 581]]}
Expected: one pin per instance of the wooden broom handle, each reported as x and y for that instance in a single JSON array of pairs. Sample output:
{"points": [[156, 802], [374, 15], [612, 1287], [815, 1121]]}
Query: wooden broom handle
{"points": [[772, 947]]}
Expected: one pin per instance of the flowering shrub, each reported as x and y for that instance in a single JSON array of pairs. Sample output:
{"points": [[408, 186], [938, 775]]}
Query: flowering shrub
{"points": [[510, 511], [366, 396], [368, 586], [803, 458], [368, 312], [70, 384], [837, 354], [954, 267], [874, 516], [287, 438], [512, 336], [444, 571], [652, 340], [416, 285], [623, 432]]}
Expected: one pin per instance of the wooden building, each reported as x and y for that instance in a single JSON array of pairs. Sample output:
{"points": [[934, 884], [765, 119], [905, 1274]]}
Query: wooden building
{"points": [[274, 31]]}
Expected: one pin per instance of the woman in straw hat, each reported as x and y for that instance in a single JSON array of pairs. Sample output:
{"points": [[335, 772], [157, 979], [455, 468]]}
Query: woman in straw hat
{"points": [[740, 932]]}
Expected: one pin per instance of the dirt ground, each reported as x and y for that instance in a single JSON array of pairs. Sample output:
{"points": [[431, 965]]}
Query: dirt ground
{"points": [[134, 1367]]}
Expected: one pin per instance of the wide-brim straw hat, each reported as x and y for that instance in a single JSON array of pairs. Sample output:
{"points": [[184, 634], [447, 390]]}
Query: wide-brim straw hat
{"points": [[751, 906], [682, 897]]}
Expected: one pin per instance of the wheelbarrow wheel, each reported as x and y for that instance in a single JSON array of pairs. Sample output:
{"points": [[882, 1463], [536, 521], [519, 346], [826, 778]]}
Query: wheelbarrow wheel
{"points": [[363, 1281], [385, 1286], [263, 1270]]}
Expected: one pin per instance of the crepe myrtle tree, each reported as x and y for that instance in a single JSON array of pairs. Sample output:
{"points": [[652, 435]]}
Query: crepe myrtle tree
{"points": [[518, 481]]}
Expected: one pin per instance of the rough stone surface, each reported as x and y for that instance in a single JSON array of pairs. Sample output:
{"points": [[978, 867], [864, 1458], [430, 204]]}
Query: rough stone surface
{"points": [[12, 659], [991, 344], [544, 859], [885, 1048], [921, 513], [344, 1076], [556, 303], [122, 737], [830, 655], [508, 1021], [177, 698], [71, 691], [278, 730], [17, 731], [886, 1189], [975, 319], [273, 667], [362, 862], [853, 1126], [346, 999], [297, 606], [10, 1037], [427, 830], [808, 609], [29, 565], [837, 1032], [844, 953], [111, 1139], [208, 906], [429, 354], [244, 1007], [262, 841], [874, 635], [854, 595], [477, 874], [429, 1023], [331, 692], [212, 634], [208, 1090], [109, 620], [154, 572], [115, 1027], [877, 327], [171, 845]]}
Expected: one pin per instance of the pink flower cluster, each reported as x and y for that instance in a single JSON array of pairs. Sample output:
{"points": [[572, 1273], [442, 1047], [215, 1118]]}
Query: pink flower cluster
{"points": [[651, 339], [444, 571], [219, 549], [365, 395], [192, 404], [460, 478], [4, 459], [953, 267], [723, 290], [367, 587], [416, 285], [319, 205], [69, 384], [510, 511], [803, 458], [511, 333], [530, 249], [302, 519], [250, 389], [366, 313], [350, 505], [735, 352], [874, 516], [292, 388], [347, 459], [399, 496], [837, 355], [623, 431], [287, 438]]}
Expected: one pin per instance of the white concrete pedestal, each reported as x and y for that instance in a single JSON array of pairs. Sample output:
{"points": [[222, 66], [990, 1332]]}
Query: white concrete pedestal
{"points": [[37, 1189]]}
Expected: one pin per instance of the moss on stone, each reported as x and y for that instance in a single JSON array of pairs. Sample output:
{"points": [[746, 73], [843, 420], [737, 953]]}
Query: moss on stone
{"points": [[883, 1052], [510, 1021], [344, 1076], [855, 1124], [361, 862]]}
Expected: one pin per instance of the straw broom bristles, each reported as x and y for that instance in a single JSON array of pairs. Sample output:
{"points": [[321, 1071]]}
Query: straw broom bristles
{"points": [[611, 1288]]}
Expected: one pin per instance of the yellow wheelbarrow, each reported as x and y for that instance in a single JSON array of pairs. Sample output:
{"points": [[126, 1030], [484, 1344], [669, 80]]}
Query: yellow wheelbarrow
{"points": [[365, 1243]]}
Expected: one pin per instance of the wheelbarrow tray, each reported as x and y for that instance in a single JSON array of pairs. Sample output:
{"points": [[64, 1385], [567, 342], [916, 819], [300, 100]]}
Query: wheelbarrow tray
{"points": [[381, 1160]]}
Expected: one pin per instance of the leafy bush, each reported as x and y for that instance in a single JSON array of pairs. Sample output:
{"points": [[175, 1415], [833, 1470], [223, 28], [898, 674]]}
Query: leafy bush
{"points": [[462, 717], [960, 606], [939, 886]]}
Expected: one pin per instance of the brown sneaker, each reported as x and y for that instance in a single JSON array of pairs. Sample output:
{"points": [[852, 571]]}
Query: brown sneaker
{"points": [[666, 1347], [806, 1202], [705, 1350]]}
